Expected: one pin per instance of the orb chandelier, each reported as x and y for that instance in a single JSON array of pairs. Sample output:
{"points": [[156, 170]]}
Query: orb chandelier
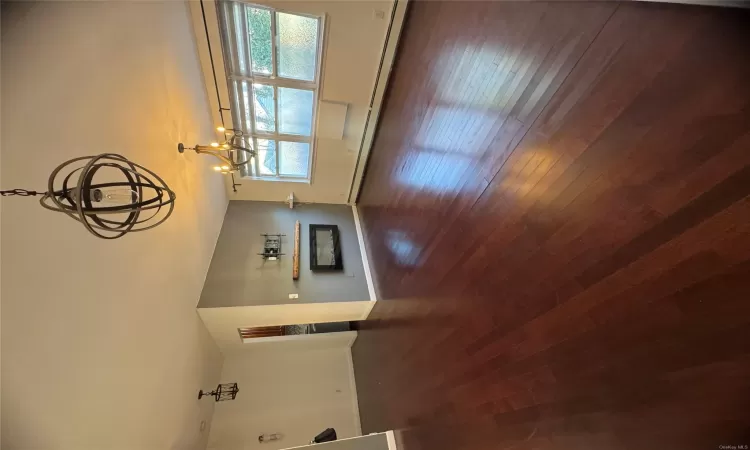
{"points": [[233, 153], [110, 195]]}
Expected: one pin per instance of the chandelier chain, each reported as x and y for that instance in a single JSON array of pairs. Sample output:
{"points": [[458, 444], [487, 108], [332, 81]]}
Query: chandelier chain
{"points": [[21, 192]]}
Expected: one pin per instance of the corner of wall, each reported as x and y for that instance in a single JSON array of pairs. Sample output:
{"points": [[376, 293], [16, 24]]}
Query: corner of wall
{"points": [[390, 437], [213, 251], [365, 261], [353, 387]]}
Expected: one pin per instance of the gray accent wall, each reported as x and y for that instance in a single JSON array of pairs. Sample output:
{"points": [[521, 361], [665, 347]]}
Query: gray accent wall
{"points": [[238, 276]]}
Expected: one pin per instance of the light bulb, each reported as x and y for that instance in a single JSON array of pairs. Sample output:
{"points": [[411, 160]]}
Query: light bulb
{"points": [[113, 196], [225, 167], [221, 129], [214, 144], [110, 195], [217, 168], [225, 145]]}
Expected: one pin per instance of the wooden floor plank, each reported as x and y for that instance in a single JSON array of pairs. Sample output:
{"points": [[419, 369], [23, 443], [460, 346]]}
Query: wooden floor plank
{"points": [[557, 210]]}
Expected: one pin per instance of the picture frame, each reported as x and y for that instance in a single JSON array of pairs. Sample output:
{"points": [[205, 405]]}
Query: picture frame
{"points": [[325, 248]]}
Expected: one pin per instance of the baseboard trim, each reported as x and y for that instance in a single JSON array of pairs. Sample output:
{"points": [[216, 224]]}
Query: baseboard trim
{"points": [[387, 59], [390, 437], [365, 262]]}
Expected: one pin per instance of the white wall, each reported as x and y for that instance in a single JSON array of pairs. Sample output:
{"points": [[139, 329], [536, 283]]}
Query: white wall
{"points": [[223, 323], [377, 441], [101, 344], [297, 389], [353, 45]]}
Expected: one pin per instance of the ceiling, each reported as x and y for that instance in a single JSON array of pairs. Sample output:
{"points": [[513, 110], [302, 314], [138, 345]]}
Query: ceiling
{"points": [[101, 345]]}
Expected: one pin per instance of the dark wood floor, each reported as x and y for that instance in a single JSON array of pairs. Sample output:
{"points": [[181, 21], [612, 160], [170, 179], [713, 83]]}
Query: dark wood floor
{"points": [[557, 211]]}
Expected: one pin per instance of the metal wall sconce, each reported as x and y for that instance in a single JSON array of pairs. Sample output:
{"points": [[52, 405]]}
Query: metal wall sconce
{"points": [[223, 392], [107, 209], [232, 153], [272, 246]]}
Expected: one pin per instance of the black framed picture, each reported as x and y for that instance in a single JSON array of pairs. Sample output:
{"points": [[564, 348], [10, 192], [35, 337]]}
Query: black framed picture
{"points": [[325, 248]]}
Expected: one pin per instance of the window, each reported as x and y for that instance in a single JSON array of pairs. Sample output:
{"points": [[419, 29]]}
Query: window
{"points": [[272, 61]]}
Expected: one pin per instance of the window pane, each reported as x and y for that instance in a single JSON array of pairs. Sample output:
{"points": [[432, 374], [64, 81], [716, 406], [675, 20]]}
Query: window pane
{"points": [[245, 142], [244, 107], [265, 109], [293, 159], [247, 170], [237, 13], [259, 27], [267, 157], [295, 111], [298, 46], [227, 33]]}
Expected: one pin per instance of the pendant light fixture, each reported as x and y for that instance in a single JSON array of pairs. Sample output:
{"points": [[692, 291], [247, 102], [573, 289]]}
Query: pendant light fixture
{"points": [[90, 193], [233, 153], [222, 393]]}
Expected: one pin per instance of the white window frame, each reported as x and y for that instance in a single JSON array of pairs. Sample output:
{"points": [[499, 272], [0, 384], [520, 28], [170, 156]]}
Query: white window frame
{"points": [[274, 80]]}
